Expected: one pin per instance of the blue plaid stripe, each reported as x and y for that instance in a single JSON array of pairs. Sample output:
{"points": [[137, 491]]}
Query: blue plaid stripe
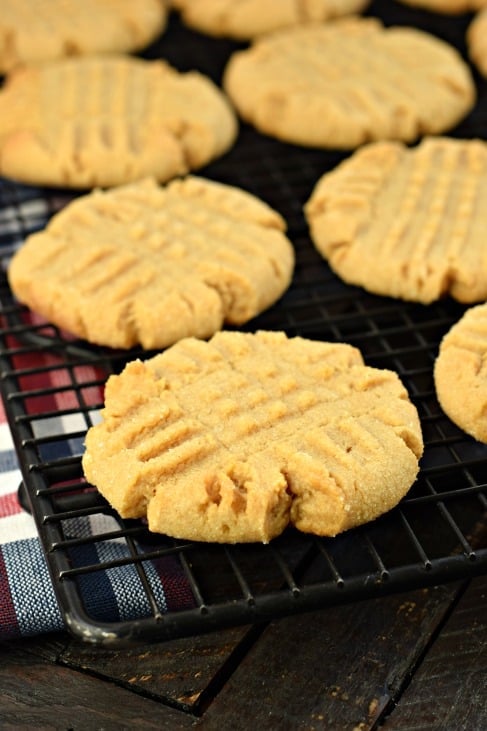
{"points": [[33, 597], [8, 461], [126, 583]]}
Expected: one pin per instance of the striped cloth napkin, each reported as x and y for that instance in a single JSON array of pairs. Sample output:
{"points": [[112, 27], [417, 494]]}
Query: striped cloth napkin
{"points": [[28, 604]]}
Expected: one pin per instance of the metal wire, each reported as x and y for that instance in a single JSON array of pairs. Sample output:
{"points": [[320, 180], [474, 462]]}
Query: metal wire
{"points": [[439, 531]]}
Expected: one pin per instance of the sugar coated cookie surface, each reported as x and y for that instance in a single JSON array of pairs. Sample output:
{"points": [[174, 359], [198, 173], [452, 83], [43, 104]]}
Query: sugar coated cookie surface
{"points": [[460, 373], [245, 19], [144, 264], [407, 222], [108, 120], [477, 41], [342, 84], [233, 439], [49, 29]]}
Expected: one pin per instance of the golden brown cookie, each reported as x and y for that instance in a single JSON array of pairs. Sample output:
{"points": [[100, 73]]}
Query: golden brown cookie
{"points": [[407, 222], [344, 83], [246, 19], [461, 374], [233, 439], [150, 265], [448, 7], [477, 41], [108, 120], [50, 29]]}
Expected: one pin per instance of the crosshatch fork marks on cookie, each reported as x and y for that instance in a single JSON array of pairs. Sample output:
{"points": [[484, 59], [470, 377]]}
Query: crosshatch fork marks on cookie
{"points": [[233, 439], [406, 222], [109, 120], [150, 265]]}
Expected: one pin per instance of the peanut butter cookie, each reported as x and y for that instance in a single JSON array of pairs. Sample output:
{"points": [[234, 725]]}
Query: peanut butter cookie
{"points": [[46, 30], [109, 120], [477, 41], [407, 222], [246, 19], [144, 264], [461, 375], [233, 439], [341, 84]]}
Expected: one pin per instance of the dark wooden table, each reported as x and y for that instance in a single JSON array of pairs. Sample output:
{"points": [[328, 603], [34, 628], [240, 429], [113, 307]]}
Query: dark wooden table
{"points": [[415, 660]]}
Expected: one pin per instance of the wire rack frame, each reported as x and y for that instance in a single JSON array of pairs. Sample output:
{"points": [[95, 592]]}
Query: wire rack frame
{"points": [[438, 533]]}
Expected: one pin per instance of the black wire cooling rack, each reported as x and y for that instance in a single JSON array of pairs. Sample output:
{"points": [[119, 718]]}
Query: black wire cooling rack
{"points": [[52, 388]]}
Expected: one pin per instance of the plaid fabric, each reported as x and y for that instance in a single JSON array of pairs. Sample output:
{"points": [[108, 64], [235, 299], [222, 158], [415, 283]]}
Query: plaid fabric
{"points": [[27, 601], [28, 604]]}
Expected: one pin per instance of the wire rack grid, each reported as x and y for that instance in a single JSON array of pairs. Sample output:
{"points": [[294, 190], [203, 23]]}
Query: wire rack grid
{"points": [[52, 387]]}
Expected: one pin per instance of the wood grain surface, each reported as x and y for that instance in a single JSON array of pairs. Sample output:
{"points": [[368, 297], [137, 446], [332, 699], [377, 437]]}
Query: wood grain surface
{"points": [[416, 660]]}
